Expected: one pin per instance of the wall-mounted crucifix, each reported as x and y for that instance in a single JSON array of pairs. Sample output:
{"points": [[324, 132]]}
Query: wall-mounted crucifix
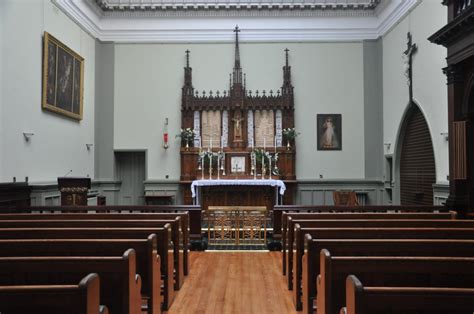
{"points": [[408, 59]]}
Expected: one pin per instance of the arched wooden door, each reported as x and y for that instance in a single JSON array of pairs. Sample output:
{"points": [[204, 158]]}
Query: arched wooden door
{"points": [[417, 163]]}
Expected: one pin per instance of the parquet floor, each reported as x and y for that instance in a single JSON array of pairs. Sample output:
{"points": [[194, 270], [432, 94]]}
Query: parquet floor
{"points": [[234, 282]]}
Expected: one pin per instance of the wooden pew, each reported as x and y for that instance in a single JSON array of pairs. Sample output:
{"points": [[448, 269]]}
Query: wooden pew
{"points": [[115, 216], [356, 223], [407, 300], [278, 210], [121, 223], [83, 298], [194, 212], [119, 282], [371, 247], [164, 245], [147, 260], [348, 215], [388, 271], [368, 233]]}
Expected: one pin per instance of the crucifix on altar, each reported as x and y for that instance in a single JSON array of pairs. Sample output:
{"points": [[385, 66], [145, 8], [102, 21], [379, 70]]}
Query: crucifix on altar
{"points": [[408, 56], [237, 126]]}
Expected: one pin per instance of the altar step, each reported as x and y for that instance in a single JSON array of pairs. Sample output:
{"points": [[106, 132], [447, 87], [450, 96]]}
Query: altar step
{"points": [[242, 247]]}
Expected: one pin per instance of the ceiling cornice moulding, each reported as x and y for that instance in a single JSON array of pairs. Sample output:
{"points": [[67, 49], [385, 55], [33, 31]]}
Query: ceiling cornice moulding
{"points": [[257, 26], [133, 7]]}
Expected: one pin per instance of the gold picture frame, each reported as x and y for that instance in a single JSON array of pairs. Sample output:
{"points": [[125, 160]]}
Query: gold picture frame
{"points": [[63, 79]]}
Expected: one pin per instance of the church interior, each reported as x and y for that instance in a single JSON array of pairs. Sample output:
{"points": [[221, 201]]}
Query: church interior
{"points": [[198, 156]]}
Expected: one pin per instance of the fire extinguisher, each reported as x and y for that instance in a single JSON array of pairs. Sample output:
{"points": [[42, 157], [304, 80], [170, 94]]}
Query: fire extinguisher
{"points": [[165, 135]]}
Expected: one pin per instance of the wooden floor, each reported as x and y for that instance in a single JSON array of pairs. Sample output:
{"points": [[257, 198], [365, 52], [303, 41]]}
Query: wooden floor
{"points": [[234, 282]]}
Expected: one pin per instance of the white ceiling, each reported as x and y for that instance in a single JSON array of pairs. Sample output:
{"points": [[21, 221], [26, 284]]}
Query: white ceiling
{"points": [[213, 20]]}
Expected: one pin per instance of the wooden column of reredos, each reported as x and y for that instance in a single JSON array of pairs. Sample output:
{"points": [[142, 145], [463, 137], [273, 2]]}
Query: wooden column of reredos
{"points": [[458, 37], [237, 101]]}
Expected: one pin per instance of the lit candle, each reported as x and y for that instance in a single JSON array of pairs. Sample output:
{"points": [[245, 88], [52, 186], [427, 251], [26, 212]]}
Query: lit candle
{"points": [[210, 145], [275, 144], [222, 142]]}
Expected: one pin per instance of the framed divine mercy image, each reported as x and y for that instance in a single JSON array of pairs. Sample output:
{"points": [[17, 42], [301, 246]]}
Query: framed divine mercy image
{"points": [[63, 78], [329, 128]]}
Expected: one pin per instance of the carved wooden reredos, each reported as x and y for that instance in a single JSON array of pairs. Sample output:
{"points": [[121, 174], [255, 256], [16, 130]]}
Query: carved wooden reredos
{"points": [[238, 100], [237, 120]]}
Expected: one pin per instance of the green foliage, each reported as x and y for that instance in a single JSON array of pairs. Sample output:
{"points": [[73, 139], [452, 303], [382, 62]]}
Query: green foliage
{"points": [[186, 134]]}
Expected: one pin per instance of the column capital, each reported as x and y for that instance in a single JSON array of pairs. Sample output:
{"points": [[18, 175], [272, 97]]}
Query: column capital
{"points": [[454, 74]]}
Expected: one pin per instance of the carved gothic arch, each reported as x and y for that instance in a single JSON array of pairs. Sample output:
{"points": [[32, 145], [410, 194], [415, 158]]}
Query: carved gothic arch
{"points": [[397, 153]]}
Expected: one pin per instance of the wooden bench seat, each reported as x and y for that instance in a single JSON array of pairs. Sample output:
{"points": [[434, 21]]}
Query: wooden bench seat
{"points": [[120, 223], [348, 215], [371, 247], [193, 211], [278, 211], [388, 271], [147, 260], [119, 282], [164, 246], [407, 300], [368, 233], [357, 223], [83, 298], [115, 216]]}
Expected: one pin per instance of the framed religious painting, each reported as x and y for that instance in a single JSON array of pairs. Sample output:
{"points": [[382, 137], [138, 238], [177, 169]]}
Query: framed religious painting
{"points": [[329, 131], [63, 78]]}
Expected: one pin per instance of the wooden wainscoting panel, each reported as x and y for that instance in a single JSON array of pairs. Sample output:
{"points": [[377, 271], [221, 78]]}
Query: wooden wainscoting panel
{"points": [[460, 166]]}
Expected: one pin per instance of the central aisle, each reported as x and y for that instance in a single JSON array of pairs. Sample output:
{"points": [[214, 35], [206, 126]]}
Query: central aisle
{"points": [[234, 282]]}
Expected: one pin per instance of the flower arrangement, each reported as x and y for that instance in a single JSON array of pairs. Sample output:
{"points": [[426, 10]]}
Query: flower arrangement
{"points": [[259, 154], [206, 156], [186, 134], [290, 133]]}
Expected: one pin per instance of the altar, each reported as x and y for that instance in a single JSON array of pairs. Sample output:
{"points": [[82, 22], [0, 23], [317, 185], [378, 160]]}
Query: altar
{"points": [[278, 187]]}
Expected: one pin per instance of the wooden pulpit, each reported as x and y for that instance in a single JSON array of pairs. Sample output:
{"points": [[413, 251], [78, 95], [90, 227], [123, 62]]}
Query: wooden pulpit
{"points": [[74, 190]]}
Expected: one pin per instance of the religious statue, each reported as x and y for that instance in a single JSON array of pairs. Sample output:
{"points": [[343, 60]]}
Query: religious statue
{"points": [[237, 126]]}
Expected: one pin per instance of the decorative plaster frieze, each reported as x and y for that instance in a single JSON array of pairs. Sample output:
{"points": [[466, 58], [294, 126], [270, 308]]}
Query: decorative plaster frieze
{"points": [[134, 7]]}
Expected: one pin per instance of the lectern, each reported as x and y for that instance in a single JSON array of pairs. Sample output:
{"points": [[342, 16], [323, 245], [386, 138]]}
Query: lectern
{"points": [[74, 190]]}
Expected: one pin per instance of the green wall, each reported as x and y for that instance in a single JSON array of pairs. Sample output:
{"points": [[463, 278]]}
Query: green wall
{"points": [[58, 144], [328, 78]]}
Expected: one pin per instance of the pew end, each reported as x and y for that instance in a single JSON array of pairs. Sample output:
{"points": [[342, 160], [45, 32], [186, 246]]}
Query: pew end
{"points": [[420, 300], [54, 299], [354, 290]]}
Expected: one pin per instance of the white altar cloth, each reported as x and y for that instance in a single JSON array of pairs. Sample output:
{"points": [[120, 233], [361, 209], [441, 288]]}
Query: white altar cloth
{"points": [[197, 183]]}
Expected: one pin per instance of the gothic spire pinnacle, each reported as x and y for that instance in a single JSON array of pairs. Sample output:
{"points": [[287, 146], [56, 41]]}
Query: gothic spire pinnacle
{"points": [[287, 87], [188, 90], [187, 58], [237, 52], [237, 69]]}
